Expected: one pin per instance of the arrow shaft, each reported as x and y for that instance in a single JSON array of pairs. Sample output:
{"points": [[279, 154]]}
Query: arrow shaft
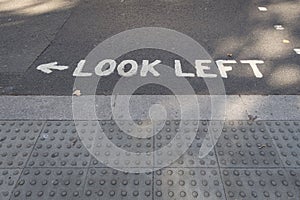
{"points": [[47, 68]]}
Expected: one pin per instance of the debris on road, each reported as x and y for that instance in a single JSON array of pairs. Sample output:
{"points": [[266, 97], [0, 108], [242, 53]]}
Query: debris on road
{"points": [[279, 27], [77, 93], [229, 55], [262, 146], [286, 41], [252, 118]]}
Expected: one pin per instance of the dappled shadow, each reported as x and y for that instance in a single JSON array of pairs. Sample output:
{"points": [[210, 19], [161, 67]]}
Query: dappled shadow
{"points": [[37, 32], [33, 7], [262, 41], [26, 29]]}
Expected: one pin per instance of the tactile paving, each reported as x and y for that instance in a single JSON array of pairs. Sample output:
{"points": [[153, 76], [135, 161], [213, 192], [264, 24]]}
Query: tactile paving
{"points": [[286, 136], [50, 183], [246, 144], [116, 145], [180, 133], [188, 183], [17, 139], [8, 179], [107, 183], [59, 146], [191, 157], [258, 160], [251, 184]]}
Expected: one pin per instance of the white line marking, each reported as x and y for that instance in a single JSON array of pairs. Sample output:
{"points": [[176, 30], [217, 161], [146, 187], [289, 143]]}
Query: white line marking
{"points": [[131, 72], [201, 68], [47, 68], [78, 71], [178, 70], [297, 50], [253, 64], [149, 67], [263, 9], [224, 69], [99, 68]]}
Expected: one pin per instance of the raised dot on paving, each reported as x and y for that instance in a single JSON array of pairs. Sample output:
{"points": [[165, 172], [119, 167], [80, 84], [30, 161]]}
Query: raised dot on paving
{"points": [[188, 183], [117, 135], [286, 138], [247, 144], [59, 146], [190, 158], [261, 183], [17, 140], [108, 183], [50, 183], [8, 179]]}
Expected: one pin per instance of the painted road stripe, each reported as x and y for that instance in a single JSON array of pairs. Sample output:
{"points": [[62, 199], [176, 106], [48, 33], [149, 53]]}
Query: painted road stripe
{"points": [[272, 107], [263, 9], [297, 50]]}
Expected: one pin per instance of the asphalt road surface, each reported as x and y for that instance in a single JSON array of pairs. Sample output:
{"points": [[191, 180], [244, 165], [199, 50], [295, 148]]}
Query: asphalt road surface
{"points": [[32, 34]]}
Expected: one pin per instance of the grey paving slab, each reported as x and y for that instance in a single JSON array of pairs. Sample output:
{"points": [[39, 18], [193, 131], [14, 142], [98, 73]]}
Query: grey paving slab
{"points": [[188, 183], [59, 146], [172, 140], [8, 179], [50, 183], [168, 135], [128, 137], [107, 183], [17, 139], [261, 183], [122, 134], [286, 137], [246, 144]]}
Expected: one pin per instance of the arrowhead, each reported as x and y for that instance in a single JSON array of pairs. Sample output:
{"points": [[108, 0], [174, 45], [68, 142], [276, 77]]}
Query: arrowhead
{"points": [[46, 68]]}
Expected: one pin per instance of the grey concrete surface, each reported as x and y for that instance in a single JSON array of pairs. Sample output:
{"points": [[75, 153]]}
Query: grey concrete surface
{"points": [[231, 107]]}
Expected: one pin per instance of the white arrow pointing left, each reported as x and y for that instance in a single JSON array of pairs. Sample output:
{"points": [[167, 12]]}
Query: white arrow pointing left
{"points": [[47, 68]]}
